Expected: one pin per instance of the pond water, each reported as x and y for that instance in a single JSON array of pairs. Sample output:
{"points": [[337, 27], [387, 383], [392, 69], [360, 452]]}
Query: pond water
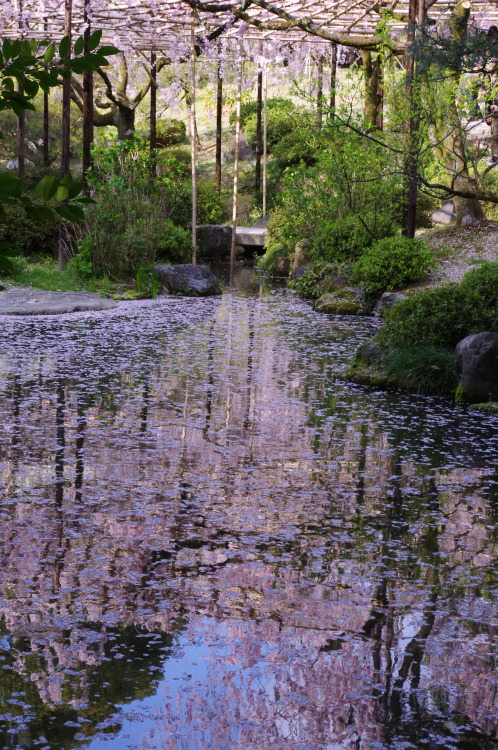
{"points": [[209, 540]]}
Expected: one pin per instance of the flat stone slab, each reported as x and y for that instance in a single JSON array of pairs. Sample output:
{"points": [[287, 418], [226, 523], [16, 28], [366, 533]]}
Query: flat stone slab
{"points": [[40, 302], [251, 236]]}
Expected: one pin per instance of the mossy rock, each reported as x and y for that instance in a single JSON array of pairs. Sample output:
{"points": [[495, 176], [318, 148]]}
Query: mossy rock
{"points": [[280, 266], [365, 375], [345, 301]]}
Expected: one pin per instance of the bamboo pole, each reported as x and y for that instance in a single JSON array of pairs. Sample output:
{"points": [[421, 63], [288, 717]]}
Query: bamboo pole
{"points": [[87, 99], [219, 123], [259, 131], [236, 163], [21, 120], [192, 139], [65, 135], [265, 134], [46, 154], [153, 114]]}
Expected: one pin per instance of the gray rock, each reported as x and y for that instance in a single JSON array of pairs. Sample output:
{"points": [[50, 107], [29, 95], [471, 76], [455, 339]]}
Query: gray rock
{"points": [[298, 273], [245, 151], [187, 279], [39, 302], [477, 361], [215, 239], [261, 223], [388, 300], [300, 255], [345, 301], [251, 236], [280, 266], [369, 352], [14, 163], [444, 215]]}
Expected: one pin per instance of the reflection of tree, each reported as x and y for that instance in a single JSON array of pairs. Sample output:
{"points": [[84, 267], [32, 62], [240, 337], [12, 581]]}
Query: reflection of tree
{"points": [[95, 674]]}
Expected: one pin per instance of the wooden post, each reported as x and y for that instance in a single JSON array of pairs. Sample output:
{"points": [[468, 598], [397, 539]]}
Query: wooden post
{"points": [[333, 77], [219, 124], [87, 100], [319, 93], [236, 163], [192, 139], [410, 214], [265, 134], [66, 99], [153, 114], [259, 131], [21, 140], [21, 120], [46, 153], [65, 135]]}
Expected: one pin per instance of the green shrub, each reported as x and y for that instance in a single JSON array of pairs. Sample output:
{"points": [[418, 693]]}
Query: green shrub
{"points": [[294, 148], [250, 109], [483, 281], [174, 245], [177, 159], [29, 238], [310, 284], [170, 132], [279, 122], [438, 317], [210, 209], [390, 263], [347, 237], [422, 369]]}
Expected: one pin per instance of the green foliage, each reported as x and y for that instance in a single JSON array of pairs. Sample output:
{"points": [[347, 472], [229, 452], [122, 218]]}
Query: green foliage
{"points": [[45, 275], [310, 285], [170, 132], [146, 282], [296, 147], [390, 263], [279, 123], [250, 109], [483, 282], [25, 236], [422, 369], [136, 219], [346, 238], [438, 317], [26, 67]]}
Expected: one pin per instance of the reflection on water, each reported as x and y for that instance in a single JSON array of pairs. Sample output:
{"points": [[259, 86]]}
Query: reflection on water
{"points": [[209, 541]]}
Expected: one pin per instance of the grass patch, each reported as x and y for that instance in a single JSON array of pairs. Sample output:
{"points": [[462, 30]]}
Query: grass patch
{"points": [[45, 275], [422, 369]]}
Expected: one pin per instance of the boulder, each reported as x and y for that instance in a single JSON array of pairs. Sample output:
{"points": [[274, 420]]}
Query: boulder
{"points": [[215, 239], [280, 266], [369, 352], [388, 300], [300, 258], [187, 279], [245, 151], [477, 361], [298, 273], [345, 301]]}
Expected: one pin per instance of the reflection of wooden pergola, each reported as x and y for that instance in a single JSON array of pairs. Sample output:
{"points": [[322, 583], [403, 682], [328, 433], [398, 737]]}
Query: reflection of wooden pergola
{"points": [[155, 26]]}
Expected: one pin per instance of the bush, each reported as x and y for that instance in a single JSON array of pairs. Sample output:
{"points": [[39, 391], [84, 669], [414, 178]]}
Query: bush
{"points": [[294, 148], [170, 133], [310, 285], [346, 238], [390, 263], [279, 123], [483, 281], [438, 317], [175, 244], [422, 369], [250, 109], [209, 206], [27, 237]]}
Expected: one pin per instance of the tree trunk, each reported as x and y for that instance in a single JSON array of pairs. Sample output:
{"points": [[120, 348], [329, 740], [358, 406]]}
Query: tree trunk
{"points": [[373, 90], [124, 121]]}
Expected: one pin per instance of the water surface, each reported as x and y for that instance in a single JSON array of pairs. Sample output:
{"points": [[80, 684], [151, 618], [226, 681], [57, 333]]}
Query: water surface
{"points": [[209, 540]]}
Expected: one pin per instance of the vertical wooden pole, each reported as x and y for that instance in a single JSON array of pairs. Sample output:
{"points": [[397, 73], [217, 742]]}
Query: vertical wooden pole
{"points": [[236, 163], [65, 135], [333, 77], [46, 153], [410, 214], [259, 131], [219, 124], [265, 133], [153, 114], [192, 139], [66, 99], [319, 93], [87, 99], [21, 120]]}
